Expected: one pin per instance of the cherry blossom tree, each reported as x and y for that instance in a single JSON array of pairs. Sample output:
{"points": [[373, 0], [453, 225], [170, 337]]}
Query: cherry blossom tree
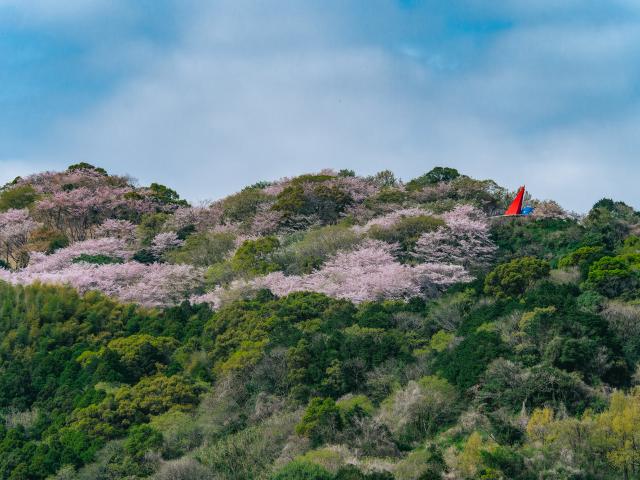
{"points": [[203, 218], [41, 263], [550, 209], [165, 241], [266, 221], [15, 227], [92, 178], [148, 285], [75, 211], [76, 208], [392, 218], [464, 240], [121, 229]]}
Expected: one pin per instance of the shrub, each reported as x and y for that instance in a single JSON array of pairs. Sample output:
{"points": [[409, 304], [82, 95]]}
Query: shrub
{"points": [[140, 354], [313, 196], [407, 230], [86, 166], [249, 453], [243, 205], [298, 470], [146, 256], [581, 256], [150, 225], [386, 196], [317, 245], [351, 472], [47, 240], [253, 257], [203, 249], [98, 259], [182, 469], [331, 458], [421, 464], [17, 197], [321, 421], [513, 278], [420, 409]]}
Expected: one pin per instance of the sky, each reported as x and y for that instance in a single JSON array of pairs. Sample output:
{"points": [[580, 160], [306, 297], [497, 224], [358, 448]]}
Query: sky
{"points": [[210, 96]]}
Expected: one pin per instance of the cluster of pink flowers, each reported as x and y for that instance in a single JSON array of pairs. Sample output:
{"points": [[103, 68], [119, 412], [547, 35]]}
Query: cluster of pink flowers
{"points": [[51, 182], [41, 263], [15, 227], [152, 285], [165, 241], [358, 188], [149, 285], [122, 229], [203, 218], [76, 211], [464, 240], [368, 273], [275, 188], [266, 221], [550, 209], [77, 200]]}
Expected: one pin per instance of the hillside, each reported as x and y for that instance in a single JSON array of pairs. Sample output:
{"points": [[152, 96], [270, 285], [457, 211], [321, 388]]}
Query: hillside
{"points": [[327, 326]]}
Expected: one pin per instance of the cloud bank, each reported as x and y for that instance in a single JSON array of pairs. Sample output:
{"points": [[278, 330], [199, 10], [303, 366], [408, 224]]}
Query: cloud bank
{"points": [[258, 90]]}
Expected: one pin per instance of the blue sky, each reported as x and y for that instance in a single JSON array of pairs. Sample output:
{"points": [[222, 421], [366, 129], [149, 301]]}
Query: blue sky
{"points": [[208, 96]]}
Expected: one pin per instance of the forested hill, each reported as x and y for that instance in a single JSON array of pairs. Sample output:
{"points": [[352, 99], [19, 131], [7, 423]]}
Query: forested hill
{"points": [[324, 327]]}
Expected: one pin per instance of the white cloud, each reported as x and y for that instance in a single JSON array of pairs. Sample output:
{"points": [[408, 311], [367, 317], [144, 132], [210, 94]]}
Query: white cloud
{"points": [[255, 93]]}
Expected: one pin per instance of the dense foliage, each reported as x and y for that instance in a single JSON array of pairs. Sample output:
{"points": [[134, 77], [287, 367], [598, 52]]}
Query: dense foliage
{"points": [[329, 327]]}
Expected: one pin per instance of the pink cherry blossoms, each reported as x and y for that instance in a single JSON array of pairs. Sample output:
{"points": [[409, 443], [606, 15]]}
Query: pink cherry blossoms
{"points": [[64, 257], [165, 241], [15, 227], [202, 218], [550, 209], [108, 221], [365, 274], [76, 211], [149, 285], [390, 219], [464, 240], [121, 229]]}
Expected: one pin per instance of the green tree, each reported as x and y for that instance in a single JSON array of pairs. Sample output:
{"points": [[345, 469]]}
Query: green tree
{"points": [[86, 166], [203, 249], [17, 197], [142, 439], [166, 195], [513, 278], [253, 257], [321, 421], [434, 176], [407, 230], [243, 205], [614, 276]]}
